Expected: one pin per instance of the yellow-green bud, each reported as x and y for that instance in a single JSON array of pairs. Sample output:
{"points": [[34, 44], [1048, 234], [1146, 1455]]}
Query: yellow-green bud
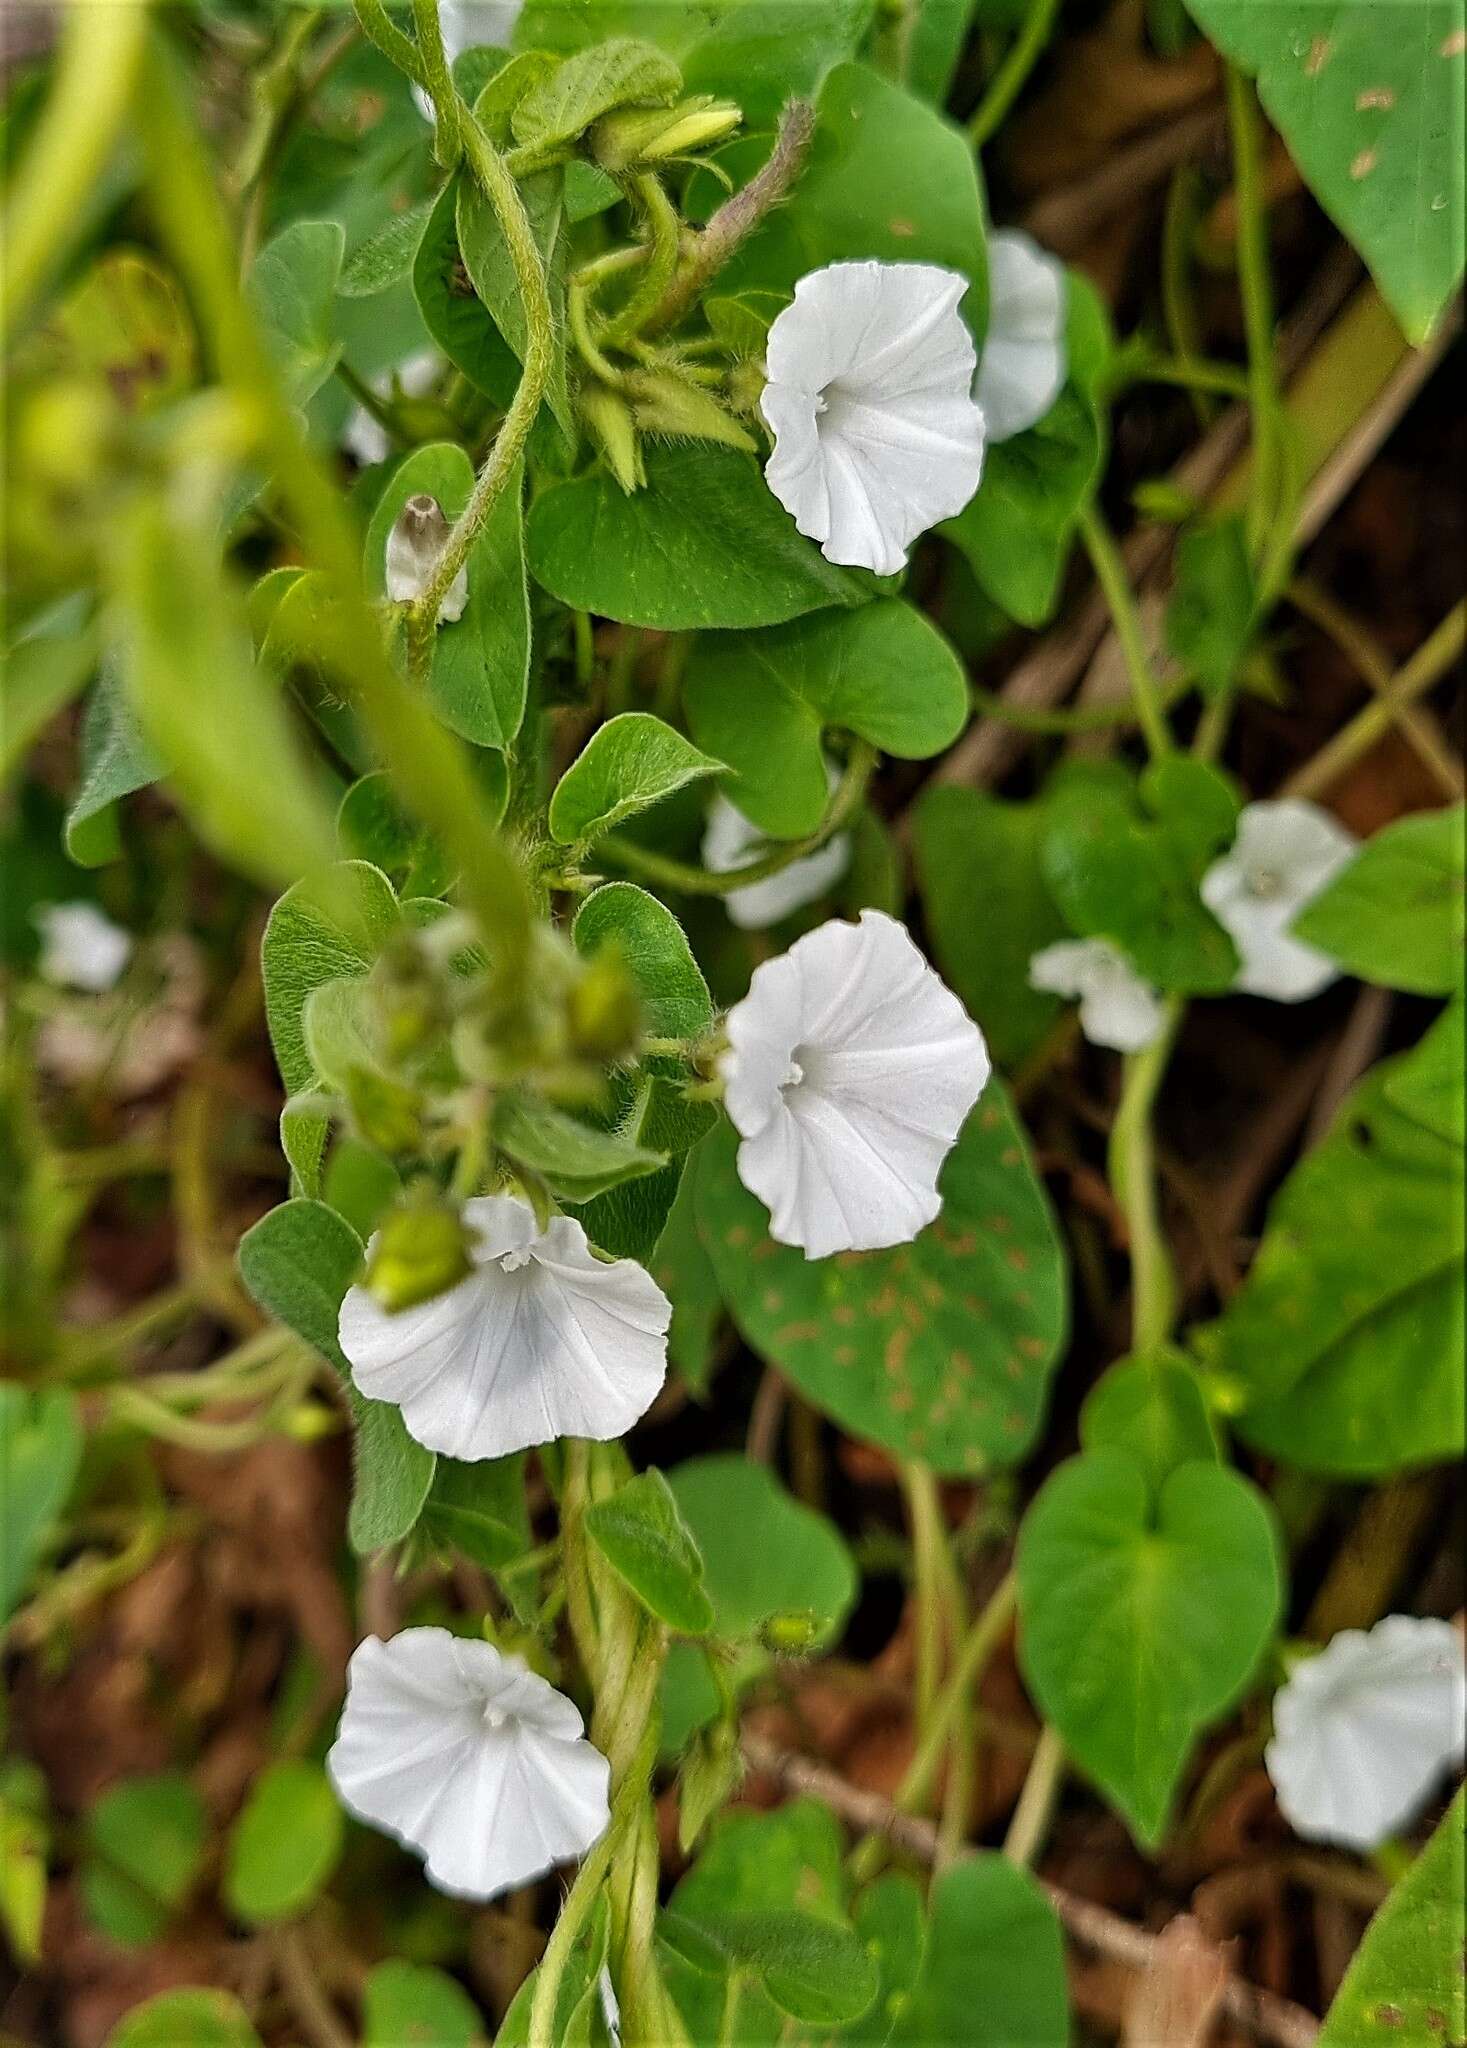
{"points": [[609, 420], [793, 1634], [421, 1250], [604, 1010], [667, 404], [636, 136]]}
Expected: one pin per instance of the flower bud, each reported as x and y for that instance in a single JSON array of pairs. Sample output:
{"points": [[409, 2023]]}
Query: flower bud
{"points": [[637, 136], [416, 542], [421, 1250], [667, 404], [385, 1113], [604, 1010], [609, 420], [792, 1634]]}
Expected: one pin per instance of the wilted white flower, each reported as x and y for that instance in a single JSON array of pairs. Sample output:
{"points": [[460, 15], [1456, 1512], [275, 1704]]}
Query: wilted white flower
{"points": [[1023, 364], [869, 398], [414, 546], [541, 1340], [1364, 1731], [364, 438], [1117, 1008], [730, 840], [81, 947], [849, 1070], [465, 25], [1285, 854], [468, 1757]]}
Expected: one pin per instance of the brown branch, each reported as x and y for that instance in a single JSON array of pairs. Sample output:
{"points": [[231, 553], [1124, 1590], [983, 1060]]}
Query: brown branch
{"points": [[1065, 219], [1263, 2013]]}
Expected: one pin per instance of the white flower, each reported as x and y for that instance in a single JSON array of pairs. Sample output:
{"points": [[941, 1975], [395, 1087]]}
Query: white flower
{"points": [[730, 840], [869, 398], [1364, 1731], [1024, 360], [468, 1757], [541, 1340], [414, 545], [849, 1070], [466, 24], [80, 946], [1117, 1008], [364, 438], [1285, 854]]}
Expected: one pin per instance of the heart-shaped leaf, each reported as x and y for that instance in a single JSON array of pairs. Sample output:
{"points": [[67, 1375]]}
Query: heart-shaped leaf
{"points": [[627, 764], [1397, 914]]}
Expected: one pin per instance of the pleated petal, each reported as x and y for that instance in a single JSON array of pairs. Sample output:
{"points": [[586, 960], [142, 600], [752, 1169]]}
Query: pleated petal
{"points": [[849, 1071], [469, 1758], [1286, 853], [1024, 362], [1117, 1008], [541, 1340]]}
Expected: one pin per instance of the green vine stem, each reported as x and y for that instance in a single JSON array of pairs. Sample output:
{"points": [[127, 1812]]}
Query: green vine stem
{"points": [[694, 881], [1008, 81], [97, 65], [1110, 572], [664, 230], [1133, 1177], [1035, 1809], [1270, 515]]}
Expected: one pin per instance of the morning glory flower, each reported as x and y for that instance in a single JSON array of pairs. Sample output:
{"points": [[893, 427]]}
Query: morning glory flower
{"points": [[465, 25], [418, 537], [81, 947], [1364, 1731], [364, 438], [541, 1340], [1285, 854], [730, 840], [869, 399], [849, 1069], [1024, 359], [1117, 1008], [468, 1757]]}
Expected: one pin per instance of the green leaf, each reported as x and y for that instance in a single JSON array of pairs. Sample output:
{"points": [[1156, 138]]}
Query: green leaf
{"points": [[1368, 96], [1211, 618], [757, 52], [642, 1535], [452, 310], [481, 662], [359, 1184], [577, 1159], [890, 1921], [372, 826], [40, 1450], [202, 2019], [619, 73], [649, 939], [116, 760], [627, 764], [409, 2005], [684, 1272], [811, 1968], [320, 931], [994, 1948], [785, 1861], [940, 1349], [705, 544], [215, 718], [298, 1262], [479, 1510], [1152, 1406], [146, 1839], [285, 1843], [970, 846], [887, 177], [385, 256], [1405, 1985], [24, 1842], [292, 287], [1142, 1622], [1428, 1084], [1397, 914], [763, 702], [1346, 1337], [1120, 871]]}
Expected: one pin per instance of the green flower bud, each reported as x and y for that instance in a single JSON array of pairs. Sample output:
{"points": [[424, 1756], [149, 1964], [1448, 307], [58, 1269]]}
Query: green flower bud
{"points": [[635, 136], [421, 1250], [604, 1010], [667, 404], [793, 1634], [609, 420]]}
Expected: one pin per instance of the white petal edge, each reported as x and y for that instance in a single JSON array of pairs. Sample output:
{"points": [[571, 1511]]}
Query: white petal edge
{"points": [[1118, 1009], [730, 840], [1300, 848], [1025, 359]]}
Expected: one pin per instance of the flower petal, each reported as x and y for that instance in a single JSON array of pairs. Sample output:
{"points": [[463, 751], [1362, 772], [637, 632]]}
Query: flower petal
{"points": [[730, 841], [1024, 353], [1117, 1008], [80, 947], [565, 1344], [1286, 852]]}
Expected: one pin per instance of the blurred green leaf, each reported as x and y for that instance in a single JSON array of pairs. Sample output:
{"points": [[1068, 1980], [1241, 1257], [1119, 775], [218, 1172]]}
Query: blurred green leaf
{"points": [[386, 255], [1397, 914], [479, 1510], [146, 1839], [407, 2005], [1429, 1084], [1141, 1620], [116, 760], [292, 286], [577, 1160], [202, 2019], [40, 1451], [1405, 1983], [1211, 618], [684, 1272], [285, 1843], [890, 1920], [994, 1949], [617, 73], [1151, 1406]]}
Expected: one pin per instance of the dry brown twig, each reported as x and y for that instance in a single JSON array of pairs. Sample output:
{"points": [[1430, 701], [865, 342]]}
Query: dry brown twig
{"points": [[1263, 2013]]}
